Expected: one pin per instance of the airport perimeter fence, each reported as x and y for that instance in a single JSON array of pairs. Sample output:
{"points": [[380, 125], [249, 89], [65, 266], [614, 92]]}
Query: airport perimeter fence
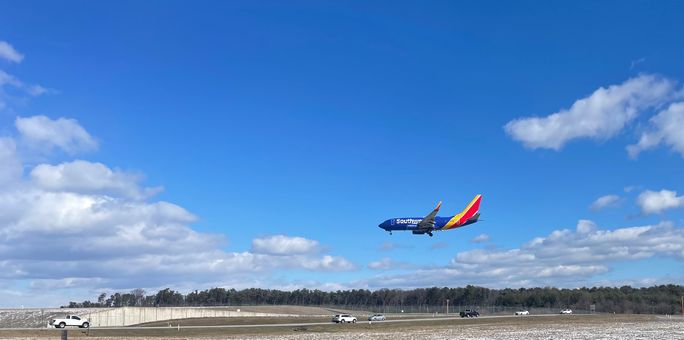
{"points": [[453, 309]]}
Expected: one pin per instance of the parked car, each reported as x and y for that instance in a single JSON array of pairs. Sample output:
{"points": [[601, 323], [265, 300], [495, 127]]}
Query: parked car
{"points": [[376, 317], [522, 312], [566, 311], [469, 313], [70, 320], [344, 318]]}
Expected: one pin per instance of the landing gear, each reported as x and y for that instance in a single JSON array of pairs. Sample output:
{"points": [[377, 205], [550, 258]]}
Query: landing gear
{"points": [[390, 233], [429, 233]]}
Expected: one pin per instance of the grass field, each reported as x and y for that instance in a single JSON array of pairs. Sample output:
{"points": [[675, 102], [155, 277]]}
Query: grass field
{"points": [[532, 327]]}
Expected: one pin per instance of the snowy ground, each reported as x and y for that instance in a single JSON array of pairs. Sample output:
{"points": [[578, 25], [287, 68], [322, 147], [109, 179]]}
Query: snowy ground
{"points": [[607, 327], [660, 329], [34, 318]]}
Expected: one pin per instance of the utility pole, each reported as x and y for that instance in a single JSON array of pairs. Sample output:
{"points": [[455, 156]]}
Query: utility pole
{"points": [[682, 305], [447, 307]]}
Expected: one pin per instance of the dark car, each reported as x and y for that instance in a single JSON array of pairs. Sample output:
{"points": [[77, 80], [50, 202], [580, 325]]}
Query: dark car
{"points": [[469, 313]]}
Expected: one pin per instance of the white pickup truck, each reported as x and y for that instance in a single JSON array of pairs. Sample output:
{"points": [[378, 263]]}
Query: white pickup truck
{"points": [[70, 320]]}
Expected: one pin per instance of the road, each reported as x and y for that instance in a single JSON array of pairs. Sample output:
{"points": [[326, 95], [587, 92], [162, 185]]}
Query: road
{"points": [[306, 324]]}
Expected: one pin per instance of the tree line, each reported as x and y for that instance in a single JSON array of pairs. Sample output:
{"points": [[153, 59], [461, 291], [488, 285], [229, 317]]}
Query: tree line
{"points": [[663, 299]]}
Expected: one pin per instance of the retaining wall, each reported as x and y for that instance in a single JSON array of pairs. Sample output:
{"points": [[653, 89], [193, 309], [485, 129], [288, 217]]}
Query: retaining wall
{"points": [[126, 316]]}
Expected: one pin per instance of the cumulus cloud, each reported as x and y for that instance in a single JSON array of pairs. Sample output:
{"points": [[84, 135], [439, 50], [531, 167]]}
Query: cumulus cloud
{"points": [[606, 201], [564, 258], [600, 115], [284, 245], [63, 133], [101, 241], [52, 235], [87, 177], [8, 53], [654, 202], [667, 127], [481, 238], [81, 225]]}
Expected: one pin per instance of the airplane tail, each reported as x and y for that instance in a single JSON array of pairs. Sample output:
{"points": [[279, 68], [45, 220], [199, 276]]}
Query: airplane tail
{"points": [[469, 215]]}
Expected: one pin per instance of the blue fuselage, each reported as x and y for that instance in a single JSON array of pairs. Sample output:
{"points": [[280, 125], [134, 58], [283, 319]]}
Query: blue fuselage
{"points": [[411, 223]]}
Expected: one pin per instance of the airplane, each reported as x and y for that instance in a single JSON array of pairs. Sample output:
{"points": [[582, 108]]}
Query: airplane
{"points": [[432, 222]]}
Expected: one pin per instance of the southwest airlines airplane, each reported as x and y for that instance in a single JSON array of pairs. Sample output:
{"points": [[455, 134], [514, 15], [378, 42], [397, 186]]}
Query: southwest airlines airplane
{"points": [[432, 222]]}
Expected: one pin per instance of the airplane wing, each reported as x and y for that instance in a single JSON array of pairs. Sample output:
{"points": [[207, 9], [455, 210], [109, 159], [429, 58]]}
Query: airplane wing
{"points": [[429, 221]]}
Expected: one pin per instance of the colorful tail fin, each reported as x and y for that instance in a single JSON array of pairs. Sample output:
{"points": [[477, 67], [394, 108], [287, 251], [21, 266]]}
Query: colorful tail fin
{"points": [[469, 215]]}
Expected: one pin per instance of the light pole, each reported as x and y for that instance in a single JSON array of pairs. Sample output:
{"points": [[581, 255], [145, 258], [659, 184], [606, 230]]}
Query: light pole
{"points": [[447, 307]]}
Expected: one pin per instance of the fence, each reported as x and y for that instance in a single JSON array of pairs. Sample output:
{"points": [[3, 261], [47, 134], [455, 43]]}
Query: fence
{"points": [[442, 309]]}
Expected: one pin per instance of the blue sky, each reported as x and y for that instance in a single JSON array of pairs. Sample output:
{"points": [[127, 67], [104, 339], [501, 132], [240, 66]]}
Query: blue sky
{"points": [[260, 144]]}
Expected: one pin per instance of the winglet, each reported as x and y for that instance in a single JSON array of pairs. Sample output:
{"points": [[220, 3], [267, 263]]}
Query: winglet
{"points": [[439, 205]]}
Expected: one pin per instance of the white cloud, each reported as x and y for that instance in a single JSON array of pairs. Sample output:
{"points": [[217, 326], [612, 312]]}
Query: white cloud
{"points": [[80, 226], [630, 188], [387, 263], [439, 245], [329, 263], [14, 90], [37, 90], [583, 227], [87, 177], [601, 115], [117, 242], [8, 79], [636, 62], [10, 166], [284, 245], [384, 263], [481, 238], [605, 202], [67, 282], [667, 127], [45, 133], [653, 202], [390, 246], [564, 258], [11, 88], [8, 53]]}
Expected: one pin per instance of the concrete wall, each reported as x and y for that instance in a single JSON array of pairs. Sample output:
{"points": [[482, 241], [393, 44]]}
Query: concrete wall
{"points": [[126, 316]]}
